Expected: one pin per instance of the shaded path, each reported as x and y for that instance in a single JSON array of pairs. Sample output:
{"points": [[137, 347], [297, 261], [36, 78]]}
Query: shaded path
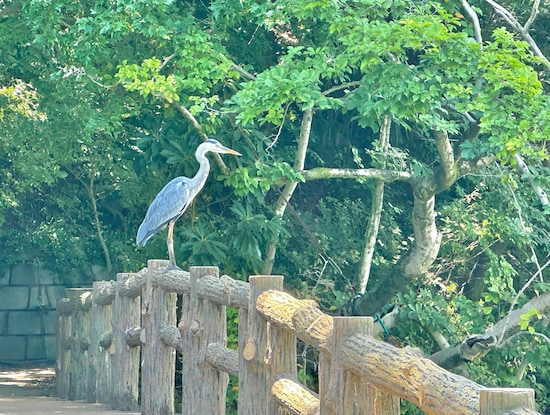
{"points": [[26, 391]]}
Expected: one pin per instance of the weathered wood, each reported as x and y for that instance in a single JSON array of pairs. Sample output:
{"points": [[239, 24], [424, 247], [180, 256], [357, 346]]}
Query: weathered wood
{"points": [[106, 339], [158, 360], [171, 336], [398, 371], [126, 313], [358, 374], [403, 372], [132, 336], [223, 358], [521, 411], [104, 292], [222, 290], [65, 307], [294, 397], [343, 392], [267, 352], [80, 342], [495, 401], [99, 371], [202, 322], [301, 317], [132, 285]]}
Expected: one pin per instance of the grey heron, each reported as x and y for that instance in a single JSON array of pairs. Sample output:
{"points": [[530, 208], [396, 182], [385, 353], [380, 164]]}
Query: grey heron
{"points": [[176, 196]]}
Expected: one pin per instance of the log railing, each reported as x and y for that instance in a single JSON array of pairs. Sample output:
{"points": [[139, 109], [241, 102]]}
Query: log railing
{"points": [[117, 344]]}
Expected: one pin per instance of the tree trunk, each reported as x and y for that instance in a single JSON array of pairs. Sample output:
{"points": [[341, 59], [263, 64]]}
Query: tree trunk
{"points": [[371, 233], [284, 198]]}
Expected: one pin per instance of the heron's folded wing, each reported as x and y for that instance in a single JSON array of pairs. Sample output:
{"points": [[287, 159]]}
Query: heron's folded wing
{"points": [[168, 205]]}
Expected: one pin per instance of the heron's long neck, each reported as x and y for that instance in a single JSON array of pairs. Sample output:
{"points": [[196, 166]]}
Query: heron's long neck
{"points": [[200, 178]]}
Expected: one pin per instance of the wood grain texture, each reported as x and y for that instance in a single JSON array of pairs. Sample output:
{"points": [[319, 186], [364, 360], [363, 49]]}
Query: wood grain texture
{"points": [[158, 360], [203, 322]]}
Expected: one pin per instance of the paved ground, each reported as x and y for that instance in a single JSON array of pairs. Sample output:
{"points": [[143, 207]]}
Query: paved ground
{"points": [[26, 391]]}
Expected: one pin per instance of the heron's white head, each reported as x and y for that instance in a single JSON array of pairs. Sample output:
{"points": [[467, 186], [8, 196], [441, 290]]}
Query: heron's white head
{"points": [[214, 146]]}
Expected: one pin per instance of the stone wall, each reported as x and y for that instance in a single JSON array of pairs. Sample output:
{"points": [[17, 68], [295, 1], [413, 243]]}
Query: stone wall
{"points": [[28, 320]]}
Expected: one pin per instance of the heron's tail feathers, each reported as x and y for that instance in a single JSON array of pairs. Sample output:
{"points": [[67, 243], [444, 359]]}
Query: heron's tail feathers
{"points": [[143, 234]]}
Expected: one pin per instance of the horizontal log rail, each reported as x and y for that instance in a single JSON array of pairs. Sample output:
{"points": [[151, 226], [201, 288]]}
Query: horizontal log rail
{"points": [[117, 343]]}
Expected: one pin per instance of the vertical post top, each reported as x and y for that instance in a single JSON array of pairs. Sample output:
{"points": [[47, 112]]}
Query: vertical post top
{"points": [[157, 263], [202, 271], [266, 282]]}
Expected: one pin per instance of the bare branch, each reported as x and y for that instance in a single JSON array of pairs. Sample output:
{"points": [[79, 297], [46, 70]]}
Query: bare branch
{"points": [[475, 20], [511, 319], [198, 128], [341, 86], [272, 144], [539, 191], [520, 333], [522, 30], [446, 158], [386, 176], [284, 198], [466, 167], [533, 16], [165, 61], [244, 73], [476, 346], [371, 233]]}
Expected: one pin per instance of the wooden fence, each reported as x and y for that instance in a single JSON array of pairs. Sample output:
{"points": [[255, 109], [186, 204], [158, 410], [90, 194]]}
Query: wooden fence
{"points": [[117, 345]]}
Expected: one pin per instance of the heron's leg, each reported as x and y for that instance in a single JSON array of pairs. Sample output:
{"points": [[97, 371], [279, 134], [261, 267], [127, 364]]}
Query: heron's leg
{"points": [[170, 244]]}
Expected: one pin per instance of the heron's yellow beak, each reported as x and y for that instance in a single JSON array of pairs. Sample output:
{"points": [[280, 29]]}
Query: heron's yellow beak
{"points": [[227, 150]]}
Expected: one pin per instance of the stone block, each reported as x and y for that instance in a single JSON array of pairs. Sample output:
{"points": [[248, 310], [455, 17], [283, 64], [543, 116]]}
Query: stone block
{"points": [[36, 348], [24, 322], [3, 322], [46, 277], [50, 322], [12, 348], [55, 292], [5, 276], [14, 298], [51, 347], [31, 323], [40, 298], [23, 274]]}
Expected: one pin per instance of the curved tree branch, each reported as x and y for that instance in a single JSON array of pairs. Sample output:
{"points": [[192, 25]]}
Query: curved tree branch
{"points": [[427, 238], [475, 20], [524, 169], [476, 346], [198, 128], [522, 30], [447, 173]]}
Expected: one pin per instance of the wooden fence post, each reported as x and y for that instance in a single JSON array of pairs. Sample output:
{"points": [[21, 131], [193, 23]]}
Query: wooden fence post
{"points": [[65, 309], [126, 314], [202, 323], [80, 342], [99, 373], [265, 351], [158, 308], [494, 401], [343, 392]]}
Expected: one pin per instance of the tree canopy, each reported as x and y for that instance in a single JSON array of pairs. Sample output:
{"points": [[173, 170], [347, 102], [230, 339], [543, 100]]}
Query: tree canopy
{"points": [[395, 155]]}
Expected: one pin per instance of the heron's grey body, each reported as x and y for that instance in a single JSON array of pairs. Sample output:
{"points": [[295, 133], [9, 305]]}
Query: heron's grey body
{"points": [[174, 198]]}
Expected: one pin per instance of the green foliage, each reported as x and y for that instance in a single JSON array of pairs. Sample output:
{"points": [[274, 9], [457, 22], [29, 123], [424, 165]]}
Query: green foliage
{"points": [[259, 177], [204, 247], [89, 99]]}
